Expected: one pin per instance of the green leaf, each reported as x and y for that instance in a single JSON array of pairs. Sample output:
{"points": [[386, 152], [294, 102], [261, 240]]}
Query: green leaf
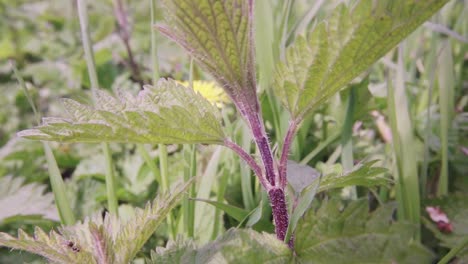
{"points": [[178, 251], [352, 235], [132, 235], [19, 199], [168, 113], [361, 175], [339, 50], [256, 215], [218, 34], [235, 212], [304, 202], [235, 246], [98, 240]]}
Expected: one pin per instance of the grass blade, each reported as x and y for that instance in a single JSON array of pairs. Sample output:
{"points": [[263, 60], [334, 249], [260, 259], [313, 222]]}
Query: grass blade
{"points": [[347, 159], [446, 105], [89, 57], [204, 229], [406, 171], [55, 177], [235, 212]]}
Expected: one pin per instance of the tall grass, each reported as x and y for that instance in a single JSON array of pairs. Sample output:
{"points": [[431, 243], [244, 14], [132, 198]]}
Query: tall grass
{"points": [[404, 153], [163, 180], [347, 158], [58, 186], [446, 104], [89, 57]]}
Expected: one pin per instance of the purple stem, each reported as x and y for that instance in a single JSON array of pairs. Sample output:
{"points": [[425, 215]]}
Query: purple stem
{"points": [[124, 33], [276, 194], [250, 161], [261, 139], [285, 153], [280, 213]]}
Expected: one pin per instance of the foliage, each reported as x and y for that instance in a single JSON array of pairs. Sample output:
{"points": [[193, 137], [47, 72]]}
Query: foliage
{"points": [[338, 51], [334, 234], [236, 245], [361, 175], [338, 234], [339, 140], [169, 113], [24, 200], [218, 34], [98, 240]]}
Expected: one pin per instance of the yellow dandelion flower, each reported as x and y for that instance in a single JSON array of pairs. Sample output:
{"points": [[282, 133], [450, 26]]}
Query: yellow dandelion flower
{"points": [[210, 90]]}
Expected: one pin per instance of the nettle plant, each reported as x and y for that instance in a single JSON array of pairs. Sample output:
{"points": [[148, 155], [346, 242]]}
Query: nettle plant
{"points": [[219, 35]]}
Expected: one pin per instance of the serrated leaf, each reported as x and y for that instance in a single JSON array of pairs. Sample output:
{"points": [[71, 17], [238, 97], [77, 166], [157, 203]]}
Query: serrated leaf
{"points": [[178, 251], [352, 235], [218, 34], [361, 175], [98, 240], [339, 50], [133, 234], [168, 113], [235, 246], [53, 247], [19, 199]]}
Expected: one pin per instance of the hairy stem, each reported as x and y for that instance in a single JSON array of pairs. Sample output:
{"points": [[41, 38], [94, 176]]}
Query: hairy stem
{"points": [[250, 161], [276, 194], [261, 139], [285, 153], [280, 213]]}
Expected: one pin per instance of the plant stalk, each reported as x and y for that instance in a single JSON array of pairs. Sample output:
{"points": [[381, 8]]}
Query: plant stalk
{"points": [[446, 105], [454, 251], [110, 181], [250, 161], [276, 194], [164, 187], [347, 159], [89, 57], [245, 172], [58, 186], [406, 170], [288, 140], [189, 206], [261, 139], [280, 213], [125, 34], [154, 46], [149, 161]]}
